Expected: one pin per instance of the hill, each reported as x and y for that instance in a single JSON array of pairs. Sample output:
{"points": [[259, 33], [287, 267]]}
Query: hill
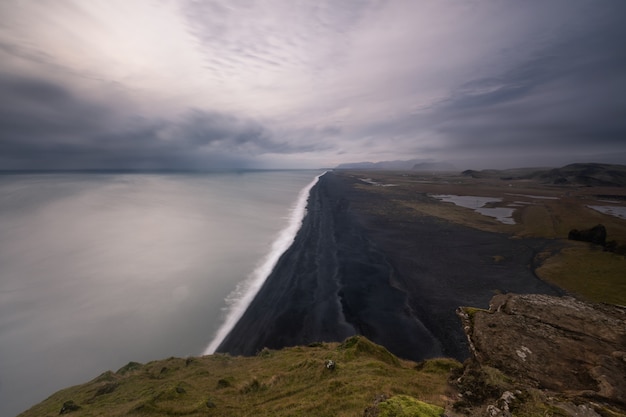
{"points": [[589, 174], [581, 174], [295, 381], [400, 165]]}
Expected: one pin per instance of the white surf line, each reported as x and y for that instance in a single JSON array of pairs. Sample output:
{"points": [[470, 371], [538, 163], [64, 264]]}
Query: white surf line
{"points": [[239, 300]]}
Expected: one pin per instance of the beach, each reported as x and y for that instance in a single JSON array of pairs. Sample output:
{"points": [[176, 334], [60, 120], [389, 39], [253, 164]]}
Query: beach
{"points": [[363, 264]]}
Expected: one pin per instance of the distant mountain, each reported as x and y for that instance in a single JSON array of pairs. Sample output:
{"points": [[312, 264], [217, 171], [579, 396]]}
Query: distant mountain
{"points": [[506, 174], [412, 164], [590, 174], [434, 166], [586, 174]]}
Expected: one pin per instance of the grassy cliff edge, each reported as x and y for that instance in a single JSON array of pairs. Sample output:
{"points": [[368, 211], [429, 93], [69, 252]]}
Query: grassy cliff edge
{"points": [[293, 381]]}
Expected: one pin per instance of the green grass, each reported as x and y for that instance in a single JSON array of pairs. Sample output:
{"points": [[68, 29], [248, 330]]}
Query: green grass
{"points": [[442, 366], [405, 406], [588, 272], [289, 382]]}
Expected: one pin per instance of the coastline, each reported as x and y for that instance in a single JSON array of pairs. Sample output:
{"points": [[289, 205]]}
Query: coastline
{"points": [[250, 287], [397, 282]]}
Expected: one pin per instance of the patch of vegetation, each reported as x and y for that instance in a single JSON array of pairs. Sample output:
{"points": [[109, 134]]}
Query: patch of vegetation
{"points": [[253, 386], [106, 388], [588, 272], [405, 406], [224, 383], [359, 346], [264, 352], [129, 367], [69, 407], [287, 382], [441, 366]]}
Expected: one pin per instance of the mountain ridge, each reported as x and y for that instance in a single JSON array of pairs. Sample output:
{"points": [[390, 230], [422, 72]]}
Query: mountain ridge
{"points": [[581, 174]]}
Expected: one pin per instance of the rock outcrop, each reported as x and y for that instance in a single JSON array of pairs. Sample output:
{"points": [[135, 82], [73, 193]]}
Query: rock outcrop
{"points": [[568, 352], [596, 235]]}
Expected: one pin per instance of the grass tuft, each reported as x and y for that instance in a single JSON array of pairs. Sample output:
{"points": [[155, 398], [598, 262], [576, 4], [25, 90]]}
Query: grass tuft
{"points": [[440, 366], [360, 346], [129, 367], [405, 406]]}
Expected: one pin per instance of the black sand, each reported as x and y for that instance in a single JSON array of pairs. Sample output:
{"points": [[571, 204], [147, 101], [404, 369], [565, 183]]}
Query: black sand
{"points": [[397, 279]]}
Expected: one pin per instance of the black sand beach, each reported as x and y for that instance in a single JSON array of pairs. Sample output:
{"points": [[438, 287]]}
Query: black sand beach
{"points": [[394, 278]]}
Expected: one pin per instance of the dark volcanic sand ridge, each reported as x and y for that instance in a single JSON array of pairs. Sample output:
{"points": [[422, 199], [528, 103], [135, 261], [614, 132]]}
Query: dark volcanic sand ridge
{"points": [[397, 279]]}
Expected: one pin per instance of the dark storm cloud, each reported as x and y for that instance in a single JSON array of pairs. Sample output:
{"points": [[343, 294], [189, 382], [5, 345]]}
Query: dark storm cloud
{"points": [[230, 133], [567, 97], [226, 131], [45, 126], [570, 95], [33, 106]]}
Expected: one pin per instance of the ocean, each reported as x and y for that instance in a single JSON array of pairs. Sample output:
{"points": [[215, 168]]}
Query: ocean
{"points": [[100, 269]]}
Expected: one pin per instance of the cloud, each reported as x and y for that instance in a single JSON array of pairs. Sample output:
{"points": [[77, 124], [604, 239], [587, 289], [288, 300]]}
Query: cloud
{"points": [[270, 83], [563, 98], [46, 126], [272, 35], [556, 98]]}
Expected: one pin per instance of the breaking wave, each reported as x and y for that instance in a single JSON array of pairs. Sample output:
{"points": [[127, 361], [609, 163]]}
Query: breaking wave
{"points": [[238, 301]]}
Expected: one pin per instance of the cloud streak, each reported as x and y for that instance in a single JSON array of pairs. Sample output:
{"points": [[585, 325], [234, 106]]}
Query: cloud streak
{"points": [[211, 85]]}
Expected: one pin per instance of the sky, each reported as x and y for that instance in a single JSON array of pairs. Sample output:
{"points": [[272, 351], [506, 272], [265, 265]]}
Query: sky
{"points": [[211, 85]]}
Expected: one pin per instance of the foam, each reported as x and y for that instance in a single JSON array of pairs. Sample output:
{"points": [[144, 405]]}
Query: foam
{"points": [[238, 301]]}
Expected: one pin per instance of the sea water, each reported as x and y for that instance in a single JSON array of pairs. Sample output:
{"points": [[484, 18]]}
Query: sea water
{"points": [[97, 270]]}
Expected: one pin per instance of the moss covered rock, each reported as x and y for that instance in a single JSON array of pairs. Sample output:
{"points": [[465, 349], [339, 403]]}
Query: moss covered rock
{"points": [[406, 406]]}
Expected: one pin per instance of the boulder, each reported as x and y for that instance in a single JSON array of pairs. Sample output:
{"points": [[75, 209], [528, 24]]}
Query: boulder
{"points": [[68, 407], [596, 234]]}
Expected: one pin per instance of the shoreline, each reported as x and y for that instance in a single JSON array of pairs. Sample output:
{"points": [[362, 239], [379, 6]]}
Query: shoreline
{"points": [[249, 288], [397, 282]]}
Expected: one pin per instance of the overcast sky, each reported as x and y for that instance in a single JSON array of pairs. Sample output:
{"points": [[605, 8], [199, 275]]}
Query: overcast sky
{"points": [[175, 84]]}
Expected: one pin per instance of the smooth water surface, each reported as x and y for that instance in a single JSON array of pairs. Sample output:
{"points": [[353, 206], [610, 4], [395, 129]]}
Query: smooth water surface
{"points": [[616, 211], [502, 214], [97, 270]]}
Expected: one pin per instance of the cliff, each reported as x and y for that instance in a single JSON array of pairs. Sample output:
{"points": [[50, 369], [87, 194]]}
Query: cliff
{"points": [[537, 352], [356, 377]]}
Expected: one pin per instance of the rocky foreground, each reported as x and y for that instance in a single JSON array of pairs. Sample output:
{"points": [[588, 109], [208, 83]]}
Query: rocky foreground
{"points": [[561, 354]]}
